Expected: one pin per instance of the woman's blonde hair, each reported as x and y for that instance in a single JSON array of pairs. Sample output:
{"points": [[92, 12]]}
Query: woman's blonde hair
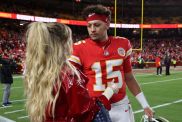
{"points": [[48, 47]]}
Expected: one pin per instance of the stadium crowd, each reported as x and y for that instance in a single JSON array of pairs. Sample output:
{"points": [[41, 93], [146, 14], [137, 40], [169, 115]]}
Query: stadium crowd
{"points": [[12, 45], [130, 15], [153, 47]]}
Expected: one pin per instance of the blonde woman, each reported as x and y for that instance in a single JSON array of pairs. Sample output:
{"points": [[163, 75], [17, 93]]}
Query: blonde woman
{"points": [[55, 90]]}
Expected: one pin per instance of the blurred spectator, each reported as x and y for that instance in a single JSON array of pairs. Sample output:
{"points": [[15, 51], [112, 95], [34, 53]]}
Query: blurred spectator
{"points": [[167, 62], [174, 62], [6, 79], [158, 64], [141, 62]]}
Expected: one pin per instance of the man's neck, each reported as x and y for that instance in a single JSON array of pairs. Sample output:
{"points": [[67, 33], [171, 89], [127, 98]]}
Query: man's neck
{"points": [[104, 42], [105, 39]]}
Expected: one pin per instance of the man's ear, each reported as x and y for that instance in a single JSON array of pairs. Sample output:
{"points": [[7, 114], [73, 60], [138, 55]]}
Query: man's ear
{"points": [[108, 25]]}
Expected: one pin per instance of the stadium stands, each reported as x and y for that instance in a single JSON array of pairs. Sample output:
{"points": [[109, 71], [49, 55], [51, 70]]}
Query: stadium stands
{"points": [[12, 43]]}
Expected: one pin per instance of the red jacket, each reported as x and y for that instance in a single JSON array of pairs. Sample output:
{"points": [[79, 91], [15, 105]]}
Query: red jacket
{"points": [[157, 62], [74, 103]]}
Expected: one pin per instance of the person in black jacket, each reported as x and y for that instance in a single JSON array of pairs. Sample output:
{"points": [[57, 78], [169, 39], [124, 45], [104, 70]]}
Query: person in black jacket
{"points": [[6, 79], [167, 62]]}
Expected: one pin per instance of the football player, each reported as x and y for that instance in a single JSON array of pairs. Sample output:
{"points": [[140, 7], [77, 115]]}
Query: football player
{"points": [[106, 60]]}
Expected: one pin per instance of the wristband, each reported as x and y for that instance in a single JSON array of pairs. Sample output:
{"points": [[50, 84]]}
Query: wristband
{"points": [[142, 100], [108, 93]]}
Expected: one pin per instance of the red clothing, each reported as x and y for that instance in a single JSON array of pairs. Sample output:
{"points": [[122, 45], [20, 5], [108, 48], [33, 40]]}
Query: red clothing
{"points": [[74, 103], [157, 62], [103, 63]]}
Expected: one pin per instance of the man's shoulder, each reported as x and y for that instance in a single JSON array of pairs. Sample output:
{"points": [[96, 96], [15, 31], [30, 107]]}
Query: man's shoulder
{"points": [[119, 38], [81, 42]]}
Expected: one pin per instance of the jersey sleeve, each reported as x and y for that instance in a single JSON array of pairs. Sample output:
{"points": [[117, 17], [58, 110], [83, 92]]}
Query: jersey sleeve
{"points": [[75, 57], [127, 61]]}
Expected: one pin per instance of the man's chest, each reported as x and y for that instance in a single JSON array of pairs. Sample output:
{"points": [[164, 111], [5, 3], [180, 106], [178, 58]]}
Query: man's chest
{"points": [[96, 56]]}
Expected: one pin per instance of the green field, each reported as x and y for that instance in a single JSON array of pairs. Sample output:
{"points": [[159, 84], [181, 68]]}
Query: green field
{"points": [[164, 94]]}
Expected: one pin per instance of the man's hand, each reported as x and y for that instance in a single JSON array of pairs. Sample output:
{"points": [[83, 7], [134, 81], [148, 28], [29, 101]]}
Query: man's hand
{"points": [[149, 112]]}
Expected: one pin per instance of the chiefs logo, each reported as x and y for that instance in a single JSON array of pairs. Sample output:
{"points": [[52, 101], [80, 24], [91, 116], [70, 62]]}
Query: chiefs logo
{"points": [[121, 51]]}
